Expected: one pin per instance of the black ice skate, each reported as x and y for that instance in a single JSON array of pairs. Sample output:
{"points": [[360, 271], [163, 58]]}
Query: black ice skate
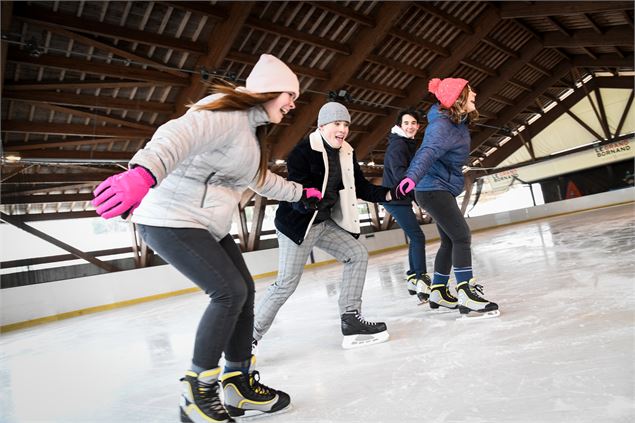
{"points": [[411, 283], [441, 298], [470, 300], [245, 396], [423, 288], [200, 400], [359, 332]]}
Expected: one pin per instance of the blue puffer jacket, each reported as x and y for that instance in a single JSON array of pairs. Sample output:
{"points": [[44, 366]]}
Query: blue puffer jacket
{"points": [[445, 149]]}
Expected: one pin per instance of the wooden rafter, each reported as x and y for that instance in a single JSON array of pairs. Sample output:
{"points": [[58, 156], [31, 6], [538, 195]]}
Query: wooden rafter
{"points": [[26, 127], [251, 59], [604, 122], [584, 125], [610, 60], [6, 9], [79, 85], [614, 36], [343, 68], [627, 108], [47, 199], [92, 101], [419, 86], [345, 12], [56, 178], [95, 68], [510, 10], [73, 23], [22, 146], [219, 44], [521, 103]]}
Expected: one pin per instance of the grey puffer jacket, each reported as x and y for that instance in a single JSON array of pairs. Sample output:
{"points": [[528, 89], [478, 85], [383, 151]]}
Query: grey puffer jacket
{"points": [[203, 162]]}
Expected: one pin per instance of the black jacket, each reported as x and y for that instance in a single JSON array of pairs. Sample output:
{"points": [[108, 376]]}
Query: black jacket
{"points": [[399, 154], [306, 165]]}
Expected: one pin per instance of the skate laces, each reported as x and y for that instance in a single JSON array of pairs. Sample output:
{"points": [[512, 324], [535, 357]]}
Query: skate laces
{"points": [[210, 400], [364, 321], [256, 386], [476, 290]]}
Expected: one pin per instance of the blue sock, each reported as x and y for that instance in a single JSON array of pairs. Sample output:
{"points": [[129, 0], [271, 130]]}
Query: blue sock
{"points": [[463, 274], [237, 366], [439, 278]]}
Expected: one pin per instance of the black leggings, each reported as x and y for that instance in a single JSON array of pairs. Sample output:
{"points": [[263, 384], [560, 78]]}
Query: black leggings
{"points": [[218, 268], [456, 239]]}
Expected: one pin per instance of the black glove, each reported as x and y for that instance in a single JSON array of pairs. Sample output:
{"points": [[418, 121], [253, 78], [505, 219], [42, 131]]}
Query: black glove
{"points": [[310, 203], [395, 194]]}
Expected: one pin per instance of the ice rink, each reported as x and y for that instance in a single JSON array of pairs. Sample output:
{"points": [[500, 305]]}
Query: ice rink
{"points": [[563, 349]]}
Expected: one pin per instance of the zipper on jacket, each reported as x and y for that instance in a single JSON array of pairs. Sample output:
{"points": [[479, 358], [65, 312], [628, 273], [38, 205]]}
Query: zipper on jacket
{"points": [[205, 193]]}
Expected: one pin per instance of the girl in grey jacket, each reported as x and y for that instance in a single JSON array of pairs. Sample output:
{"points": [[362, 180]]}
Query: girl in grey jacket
{"points": [[198, 166]]}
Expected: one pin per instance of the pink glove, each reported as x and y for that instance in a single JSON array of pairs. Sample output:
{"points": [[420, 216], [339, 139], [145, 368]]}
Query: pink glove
{"points": [[313, 193], [122, 193], [405, 186]]}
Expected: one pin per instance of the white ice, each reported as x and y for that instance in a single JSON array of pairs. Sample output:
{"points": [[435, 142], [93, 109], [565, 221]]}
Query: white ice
{"points": [[561, 351]]}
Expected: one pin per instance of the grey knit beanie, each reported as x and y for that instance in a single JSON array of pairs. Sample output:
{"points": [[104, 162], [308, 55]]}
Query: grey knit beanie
{"points": [[331, 112]]}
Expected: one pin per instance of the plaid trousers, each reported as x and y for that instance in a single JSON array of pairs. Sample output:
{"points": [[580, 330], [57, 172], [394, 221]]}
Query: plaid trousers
{"points": [[329, 237]]}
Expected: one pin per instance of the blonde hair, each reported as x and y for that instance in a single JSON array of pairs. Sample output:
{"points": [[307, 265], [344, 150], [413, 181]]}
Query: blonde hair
{"points": [[234, 100], [456, 113]]}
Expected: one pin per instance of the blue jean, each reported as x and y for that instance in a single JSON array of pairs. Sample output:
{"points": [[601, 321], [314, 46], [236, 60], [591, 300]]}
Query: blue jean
{"points": [[218, 268], [407, 219]]}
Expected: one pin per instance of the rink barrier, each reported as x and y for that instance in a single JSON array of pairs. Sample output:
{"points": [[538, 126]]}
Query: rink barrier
{"points": [[31, 305]]}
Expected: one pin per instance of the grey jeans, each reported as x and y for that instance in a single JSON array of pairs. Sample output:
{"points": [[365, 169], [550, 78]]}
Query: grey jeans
{"points": [[218, 268], [329, 237]]}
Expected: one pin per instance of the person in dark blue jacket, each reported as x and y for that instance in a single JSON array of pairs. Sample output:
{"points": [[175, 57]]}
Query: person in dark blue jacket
{"points": [[401, 148], [436, 175]]}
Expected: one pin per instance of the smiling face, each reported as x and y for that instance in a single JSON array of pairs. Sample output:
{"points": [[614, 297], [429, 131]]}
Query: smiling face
{"points": [[470, 104], [335, 133], [409, 125], [279, 106]]}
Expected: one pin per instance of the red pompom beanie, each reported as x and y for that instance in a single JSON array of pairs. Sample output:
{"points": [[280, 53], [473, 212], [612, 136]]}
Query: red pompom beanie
{"points": [[447, 90]]}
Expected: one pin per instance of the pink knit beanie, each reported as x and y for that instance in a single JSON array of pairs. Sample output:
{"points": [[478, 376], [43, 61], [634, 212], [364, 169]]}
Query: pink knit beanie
{"points": [[447, 90], [271, 75]]}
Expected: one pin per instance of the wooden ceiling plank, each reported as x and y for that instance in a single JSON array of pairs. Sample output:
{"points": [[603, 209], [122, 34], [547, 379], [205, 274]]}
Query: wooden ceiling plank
{"points": [[26, 127], [219, 44], [17, 147], [96, 68], [19, 223], [79, 24], [79, 85], [511, 10], [91, 115], [162, 67], [200, 8], [346, 12], [375, 87], [417, 41], [342, 69], [301, 36], [497, 45], [521, 103], [614, 36], [251, 59], [395, 64], [6, 10], [419, 86], [92, 101], [436, 11]]}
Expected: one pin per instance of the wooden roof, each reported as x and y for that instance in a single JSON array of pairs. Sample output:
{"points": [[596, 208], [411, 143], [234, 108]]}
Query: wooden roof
{"points": [[85, 84]]}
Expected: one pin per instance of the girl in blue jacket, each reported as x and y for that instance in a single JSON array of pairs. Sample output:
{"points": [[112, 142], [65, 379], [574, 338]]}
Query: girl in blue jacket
{"points": [[437, 177]]}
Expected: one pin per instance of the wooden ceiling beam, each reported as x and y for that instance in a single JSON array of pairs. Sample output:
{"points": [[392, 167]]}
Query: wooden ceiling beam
{"points": [[535, 128], [218, 45], [342, 69], [26, 127], [521, 103], [375, 87], [71, 156], [614, 36], [32, 12], [48, 85], [91, 101], [479, 67], [345, 12], [279, 30], [213, 12], [94, 67], [418, 88], [395, 64], [6, 12], [91, 42], [594, 26], [251, 59], [512, 9], [90, 115], [417, 41], [38, 145], [559, 27], [437, 12], [497, 45], [610, 60]]}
